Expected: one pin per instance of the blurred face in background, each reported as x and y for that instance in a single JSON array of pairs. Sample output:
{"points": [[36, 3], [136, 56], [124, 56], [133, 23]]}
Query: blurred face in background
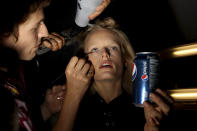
{"points": [[29, 36], [105, 54]]}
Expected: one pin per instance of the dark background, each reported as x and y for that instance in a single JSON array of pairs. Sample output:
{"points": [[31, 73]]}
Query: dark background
{"points": [[151, 25]]}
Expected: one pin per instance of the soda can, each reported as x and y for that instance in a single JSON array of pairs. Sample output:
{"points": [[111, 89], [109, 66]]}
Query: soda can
{"points": [[145, 76]]}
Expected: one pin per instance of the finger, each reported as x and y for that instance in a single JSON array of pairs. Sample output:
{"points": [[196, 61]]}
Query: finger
{"points": [[164, 107], [156, 121], [152, 113], [57, 88], [99, 9], [54, 88], [72, 64], [60, 100], [56, 41], [64, 87], [165, 95], [59, 36], [96, 13], [91, 72], [79, 65], [60, 40], [54, 44], [105, 3], [61, 94], [153, 122], [46, 42], [85, 69]]}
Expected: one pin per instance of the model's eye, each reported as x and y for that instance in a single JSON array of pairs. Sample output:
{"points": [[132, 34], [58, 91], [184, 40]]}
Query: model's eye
{"points": [[114, 48], [94, 50]]}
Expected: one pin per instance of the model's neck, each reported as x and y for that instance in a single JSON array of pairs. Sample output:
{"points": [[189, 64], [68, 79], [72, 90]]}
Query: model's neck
{"points": [[108, 89]]}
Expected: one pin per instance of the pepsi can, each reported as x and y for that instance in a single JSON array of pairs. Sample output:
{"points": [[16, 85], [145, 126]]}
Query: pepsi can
{"points": [[145, 76]]}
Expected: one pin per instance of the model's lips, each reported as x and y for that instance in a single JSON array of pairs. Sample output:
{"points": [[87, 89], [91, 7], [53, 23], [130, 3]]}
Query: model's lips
{"points": [[105, 64]]}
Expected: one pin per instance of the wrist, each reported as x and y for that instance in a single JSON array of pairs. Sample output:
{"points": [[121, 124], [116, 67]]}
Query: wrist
{"points": [[148, 127]]}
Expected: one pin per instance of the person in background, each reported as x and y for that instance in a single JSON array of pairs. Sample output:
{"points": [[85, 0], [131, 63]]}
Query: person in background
{"points": [[22, 32], [105, 101], [9, 117]]}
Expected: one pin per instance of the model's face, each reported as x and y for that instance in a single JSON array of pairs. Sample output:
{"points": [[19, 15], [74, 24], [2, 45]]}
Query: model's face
{"points": [[29, 36], [105, 55]]}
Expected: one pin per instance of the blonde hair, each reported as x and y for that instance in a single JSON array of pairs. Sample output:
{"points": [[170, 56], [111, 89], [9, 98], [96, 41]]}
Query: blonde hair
{"points": [[127, 51]]}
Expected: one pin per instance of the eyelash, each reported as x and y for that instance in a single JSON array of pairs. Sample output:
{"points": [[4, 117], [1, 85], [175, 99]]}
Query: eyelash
{"points": [[94, 49], [114, 48]]}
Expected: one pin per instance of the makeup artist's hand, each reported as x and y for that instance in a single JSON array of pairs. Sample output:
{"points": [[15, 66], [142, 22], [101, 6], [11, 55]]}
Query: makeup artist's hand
{"points": [[54, 41], [78, 75], [154, 114]]}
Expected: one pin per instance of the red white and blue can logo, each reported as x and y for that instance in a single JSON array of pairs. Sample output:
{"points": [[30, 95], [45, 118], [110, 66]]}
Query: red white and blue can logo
{"points": [[144, 76], [134, 72]]}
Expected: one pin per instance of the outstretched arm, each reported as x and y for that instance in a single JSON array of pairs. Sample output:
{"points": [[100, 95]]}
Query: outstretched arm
{"points": [[78, 75]]}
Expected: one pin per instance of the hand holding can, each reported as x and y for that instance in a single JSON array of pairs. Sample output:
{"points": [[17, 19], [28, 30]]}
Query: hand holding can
{"points": [[145, 76]]}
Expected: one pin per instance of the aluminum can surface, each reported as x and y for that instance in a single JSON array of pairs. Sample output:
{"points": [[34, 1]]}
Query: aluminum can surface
{"points": [[145, 76]]}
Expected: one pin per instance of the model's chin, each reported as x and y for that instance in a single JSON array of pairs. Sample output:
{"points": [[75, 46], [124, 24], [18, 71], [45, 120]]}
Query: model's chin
{"points": [[105, 76]]}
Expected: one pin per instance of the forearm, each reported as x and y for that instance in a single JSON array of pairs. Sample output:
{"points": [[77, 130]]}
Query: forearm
{"points": [[68, 113], [77, 84]]}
